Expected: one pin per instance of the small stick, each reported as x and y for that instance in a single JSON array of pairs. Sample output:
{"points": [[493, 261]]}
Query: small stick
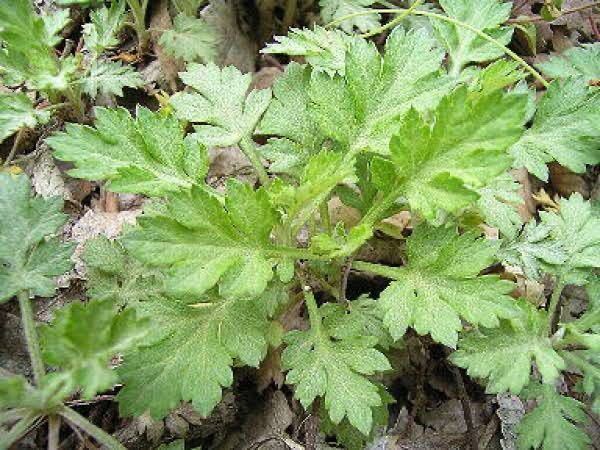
{"points": [[344, 282], [15, 147], [466, 406], [594, 28], [311, 429]]}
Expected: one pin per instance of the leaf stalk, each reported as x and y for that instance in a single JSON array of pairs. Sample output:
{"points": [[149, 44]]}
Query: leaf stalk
{"points": [[394, 22], [313, 310], [77, 420], [21, 428], [249, 148], [377, 269], [443, 18], [33, 344], [139, 23]]}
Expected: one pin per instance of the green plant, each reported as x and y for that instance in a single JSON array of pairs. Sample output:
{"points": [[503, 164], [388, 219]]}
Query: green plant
{"points": [[28, 59], [80, 341], [214, 273]]}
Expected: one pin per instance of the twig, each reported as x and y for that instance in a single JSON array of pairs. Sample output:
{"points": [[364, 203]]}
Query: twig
{"points": [[554, 307], [15, 147], [98, 398], [520, 6], [466, 406], [489, 432], [311, 429], [274, 437], [562, 13], [594, 28], [344, 281], [68, 48]]}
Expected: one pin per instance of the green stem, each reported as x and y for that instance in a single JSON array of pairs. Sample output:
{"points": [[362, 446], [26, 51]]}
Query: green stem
{"points": [[18, 431], [297, 253], [456, 66], [458, 23], [324, 213], [588, 320], [380, 206], [554, 303], [394, 22], [73, 94], [83, 424], [579, 362], [53, 432], [313, 310], [249, 148], [377, 269], [139, 23], [33, 344]]}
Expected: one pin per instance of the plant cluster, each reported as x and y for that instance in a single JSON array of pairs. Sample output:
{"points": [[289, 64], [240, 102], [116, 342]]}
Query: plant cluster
{"points": [[199, 285]]}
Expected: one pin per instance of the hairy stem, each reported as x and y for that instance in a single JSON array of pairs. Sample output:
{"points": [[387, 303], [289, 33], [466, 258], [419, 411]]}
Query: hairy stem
{"points": [[458, 23], [53, 432], [297, 253], [102, 437], [19, 430], [139, 23], [579, 362], [344, 281], [394, 22], [378, 209], [377, 269], [324, 213], [249, 148], [73, 95], [31, 337], [554, 305], [313, 310]]}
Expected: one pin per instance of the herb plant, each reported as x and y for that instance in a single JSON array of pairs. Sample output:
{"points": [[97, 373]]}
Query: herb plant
{"points": [[201, 283], [28, 59]]}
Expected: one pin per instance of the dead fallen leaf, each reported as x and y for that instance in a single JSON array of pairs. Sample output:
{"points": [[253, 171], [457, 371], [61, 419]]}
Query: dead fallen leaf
{"points": [[235, 46], [566, 182]]}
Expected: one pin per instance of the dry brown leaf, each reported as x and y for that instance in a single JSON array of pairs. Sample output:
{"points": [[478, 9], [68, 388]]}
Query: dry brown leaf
{"points": [[566, 182], [235, 46], [527, 208], [265, 77]]}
